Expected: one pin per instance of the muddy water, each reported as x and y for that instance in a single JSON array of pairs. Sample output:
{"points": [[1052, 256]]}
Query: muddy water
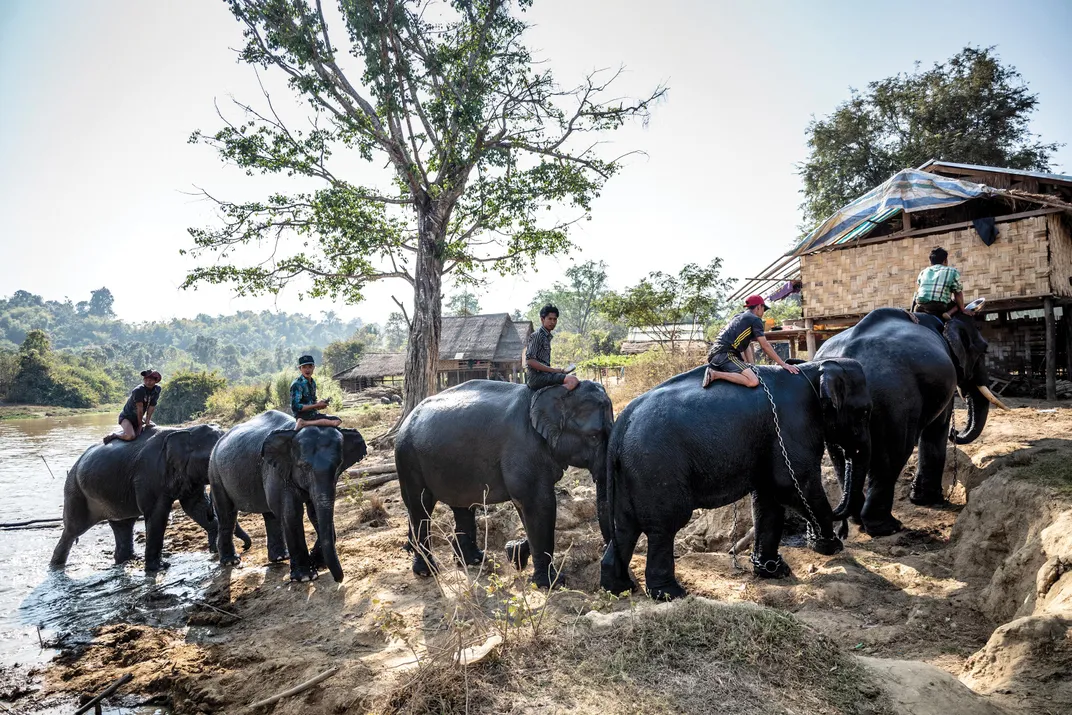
{"points": [[34, 458]]}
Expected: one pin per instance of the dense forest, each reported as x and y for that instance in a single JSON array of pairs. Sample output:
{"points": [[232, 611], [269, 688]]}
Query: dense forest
{"points": [[80, 354]]}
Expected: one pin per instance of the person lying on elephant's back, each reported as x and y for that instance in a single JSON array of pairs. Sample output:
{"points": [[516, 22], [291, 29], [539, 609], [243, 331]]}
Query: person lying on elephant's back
{"points": [[730, 358], [538, 370], [138, 411], [303, 402]]}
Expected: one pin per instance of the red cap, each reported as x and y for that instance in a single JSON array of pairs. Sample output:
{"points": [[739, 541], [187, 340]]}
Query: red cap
{"points": [[753, 300]]}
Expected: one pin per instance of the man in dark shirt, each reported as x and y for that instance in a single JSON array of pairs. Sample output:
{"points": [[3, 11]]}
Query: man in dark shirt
{"points": [[730, 358], [138, 411], [303, 402], [538, 372]]}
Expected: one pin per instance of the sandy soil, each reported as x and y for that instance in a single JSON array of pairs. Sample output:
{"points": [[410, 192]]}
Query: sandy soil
{"points": [[918, 596]]}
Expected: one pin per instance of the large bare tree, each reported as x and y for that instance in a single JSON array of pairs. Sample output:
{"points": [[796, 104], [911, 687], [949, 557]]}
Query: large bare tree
{"points": [[479, 140]]}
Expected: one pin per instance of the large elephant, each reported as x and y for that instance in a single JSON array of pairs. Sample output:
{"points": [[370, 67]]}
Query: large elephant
{"points": [[122, 481], [679, 447], [486, 442], [267, 467], [914, 364]]}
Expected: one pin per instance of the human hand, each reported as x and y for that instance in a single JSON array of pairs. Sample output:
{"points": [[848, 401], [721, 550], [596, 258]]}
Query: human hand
{"points": [[792, 369]]}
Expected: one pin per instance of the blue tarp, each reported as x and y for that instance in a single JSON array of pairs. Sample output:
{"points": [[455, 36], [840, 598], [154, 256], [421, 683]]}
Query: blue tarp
{"points": [[908, 190]]}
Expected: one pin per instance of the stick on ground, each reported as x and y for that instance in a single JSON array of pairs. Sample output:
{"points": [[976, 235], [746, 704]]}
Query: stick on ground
{"points": [[115, 685], [296, 689]]}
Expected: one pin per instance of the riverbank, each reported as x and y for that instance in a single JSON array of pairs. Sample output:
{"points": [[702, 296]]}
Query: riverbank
{"points": [[33, 412]]}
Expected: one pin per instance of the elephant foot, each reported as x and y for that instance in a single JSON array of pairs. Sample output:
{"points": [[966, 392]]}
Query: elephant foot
{"points": [[318, 558], [827, 547], [156, 566], [667, 592], [300, 576], [843, 529], [932, 500], [548, 578], [122, 558], [885, 527], [770, 568], [517, 553], [424, 565], [278, 556], [231, 561], [473, 558]]}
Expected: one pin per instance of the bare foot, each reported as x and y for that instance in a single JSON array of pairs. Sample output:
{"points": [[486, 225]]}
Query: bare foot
{"points": [[109, 437], [299, 424]]}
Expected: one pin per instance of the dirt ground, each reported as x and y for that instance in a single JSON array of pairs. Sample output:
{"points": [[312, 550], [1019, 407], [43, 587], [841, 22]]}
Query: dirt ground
{"points": [[982, 590]]}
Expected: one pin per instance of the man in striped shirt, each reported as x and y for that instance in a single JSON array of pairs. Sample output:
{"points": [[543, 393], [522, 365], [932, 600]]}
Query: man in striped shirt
{"points": [[939, 290], [538, 372], [730, 358]]}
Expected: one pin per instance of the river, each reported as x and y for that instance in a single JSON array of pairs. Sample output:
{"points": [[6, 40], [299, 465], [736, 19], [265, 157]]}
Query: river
{"points": [[34, 458]]}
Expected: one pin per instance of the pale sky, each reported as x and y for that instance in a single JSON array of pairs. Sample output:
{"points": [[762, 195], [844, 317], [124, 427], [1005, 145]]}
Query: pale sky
{"points": [[97, 100]]}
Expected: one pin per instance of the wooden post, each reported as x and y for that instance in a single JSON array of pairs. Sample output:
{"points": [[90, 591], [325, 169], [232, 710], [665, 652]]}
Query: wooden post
{"points": [[809, 325], [906, 221], [1051, 350], [1067, 320]]}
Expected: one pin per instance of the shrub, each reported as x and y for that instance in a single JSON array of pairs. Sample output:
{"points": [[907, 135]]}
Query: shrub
{"points": [[186, 395], [239, 403]]}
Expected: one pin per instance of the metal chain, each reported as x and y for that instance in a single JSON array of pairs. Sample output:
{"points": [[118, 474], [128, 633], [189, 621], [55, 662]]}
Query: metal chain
{"points": [[785, 456], [953, 441], [733, 540]]}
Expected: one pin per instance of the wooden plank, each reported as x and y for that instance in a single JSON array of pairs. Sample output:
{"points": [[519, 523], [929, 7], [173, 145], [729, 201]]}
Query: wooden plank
{"points": [[1051, 350]]}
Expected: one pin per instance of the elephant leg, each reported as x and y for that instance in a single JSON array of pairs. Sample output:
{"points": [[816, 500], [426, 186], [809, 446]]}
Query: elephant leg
{"points": [[769, 518], [198, 507], [76, 521], [927, 486], [538, 513], [155, 522], [817, 513], [614, 569], [123, 531], [293, 522], [277, 545], [659, 577], [420, 507], [890, 449], [226, 525], [464, 542]]}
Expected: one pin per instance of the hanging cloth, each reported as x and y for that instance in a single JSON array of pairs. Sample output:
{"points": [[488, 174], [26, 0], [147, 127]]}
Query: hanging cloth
{"points": [[987, 229]]}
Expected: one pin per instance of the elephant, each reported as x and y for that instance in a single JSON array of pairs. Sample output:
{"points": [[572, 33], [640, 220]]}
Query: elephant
{"points": [[914, 365], [267, 467], [487, 442], [678, 447], [122, 481]]}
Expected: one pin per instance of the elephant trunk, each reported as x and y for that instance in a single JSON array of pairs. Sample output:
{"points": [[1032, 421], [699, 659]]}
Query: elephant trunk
{"points": [[598, 469], [325, 519], [845, 467], [852, 493], [978, 410]]}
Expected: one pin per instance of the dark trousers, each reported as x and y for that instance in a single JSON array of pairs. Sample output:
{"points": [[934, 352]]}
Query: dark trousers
{"points": [[538, 380], [935, 307]]}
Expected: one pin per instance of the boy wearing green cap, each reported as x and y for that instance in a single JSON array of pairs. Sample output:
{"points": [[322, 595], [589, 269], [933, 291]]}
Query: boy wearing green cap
{"points": [[303, 402]]}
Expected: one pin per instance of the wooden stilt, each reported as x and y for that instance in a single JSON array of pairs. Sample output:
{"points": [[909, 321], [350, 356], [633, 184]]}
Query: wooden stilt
{"points": [[1051, 350], [809, 325]]}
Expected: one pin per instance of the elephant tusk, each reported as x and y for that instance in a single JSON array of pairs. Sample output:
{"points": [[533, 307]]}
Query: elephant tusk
{"points": [[985, 391]]}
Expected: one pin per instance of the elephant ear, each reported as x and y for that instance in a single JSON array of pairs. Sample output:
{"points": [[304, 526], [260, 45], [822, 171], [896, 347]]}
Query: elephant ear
{"points": [[353, 448], [547, 413], [178, 445], [832, 385], [954, 336], [277, 449]]}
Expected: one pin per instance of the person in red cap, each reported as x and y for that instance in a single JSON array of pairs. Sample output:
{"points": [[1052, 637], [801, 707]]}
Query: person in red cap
{"points": [[138, 411], [730, 358]]}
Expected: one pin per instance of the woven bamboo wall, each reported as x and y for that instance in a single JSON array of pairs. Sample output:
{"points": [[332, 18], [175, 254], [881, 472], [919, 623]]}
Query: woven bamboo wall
{"points": [[1060, 232], [854, 281]]}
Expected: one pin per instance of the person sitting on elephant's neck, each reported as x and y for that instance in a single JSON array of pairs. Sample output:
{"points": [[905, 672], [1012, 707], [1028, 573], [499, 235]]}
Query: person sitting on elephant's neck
{"points": [[730, 358], [939, 291], [138, 411], [303, 400], [538, 370]]}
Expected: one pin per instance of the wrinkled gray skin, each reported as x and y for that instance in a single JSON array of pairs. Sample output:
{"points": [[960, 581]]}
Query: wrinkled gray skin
{"points": [[486, 442], [913, 371], [267, 467], [121, 481], [678, 448]]}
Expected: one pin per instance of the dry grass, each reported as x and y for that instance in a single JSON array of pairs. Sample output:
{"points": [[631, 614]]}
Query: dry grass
{"points": [[696, 656], [374, 512], [649, 369], [1048, 467]]}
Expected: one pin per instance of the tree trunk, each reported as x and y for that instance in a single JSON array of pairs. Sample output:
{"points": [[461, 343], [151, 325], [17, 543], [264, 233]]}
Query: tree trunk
{"points": [[422, 354]]}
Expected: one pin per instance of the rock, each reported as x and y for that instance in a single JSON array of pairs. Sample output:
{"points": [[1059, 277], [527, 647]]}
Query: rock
{"points": [[919, 689], [847, 595]]}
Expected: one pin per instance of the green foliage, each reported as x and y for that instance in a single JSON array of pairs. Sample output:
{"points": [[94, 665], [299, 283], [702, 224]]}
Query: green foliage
{"points": [[185, 395], [576, 299], [343, 354], [395, 332], [970, 109], [600, 361], [236, 403], [44, 377], [100, 303], [464, 302], [661, 303]]}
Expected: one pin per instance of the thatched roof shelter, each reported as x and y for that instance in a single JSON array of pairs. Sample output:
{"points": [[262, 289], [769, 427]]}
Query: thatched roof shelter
{"points": [[375, 365]]}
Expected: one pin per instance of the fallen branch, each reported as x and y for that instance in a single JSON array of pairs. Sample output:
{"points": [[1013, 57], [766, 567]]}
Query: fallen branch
{"points": [[218, 610], [377, 481], [13, 524], [369, 471], [104, 693], [745, 542], [31, 527], [295, 690]]}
